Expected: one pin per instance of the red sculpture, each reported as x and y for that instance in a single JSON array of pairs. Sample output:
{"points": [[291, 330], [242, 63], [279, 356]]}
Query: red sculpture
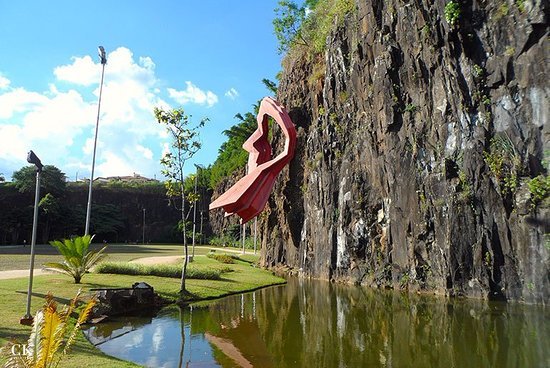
{"points": [[247, 198]]}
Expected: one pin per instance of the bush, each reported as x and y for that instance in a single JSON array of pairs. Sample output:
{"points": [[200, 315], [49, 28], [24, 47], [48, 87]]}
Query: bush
{"points": [[174, 271], [223, 258], [452, 12], [539, 187]]}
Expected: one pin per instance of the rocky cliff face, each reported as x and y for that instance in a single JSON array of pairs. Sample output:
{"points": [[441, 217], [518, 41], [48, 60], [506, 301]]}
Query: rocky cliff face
{"points": [[417, 144]]}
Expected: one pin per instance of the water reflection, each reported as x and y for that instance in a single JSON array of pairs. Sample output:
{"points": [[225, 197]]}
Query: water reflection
{"points": [[311, 323]]}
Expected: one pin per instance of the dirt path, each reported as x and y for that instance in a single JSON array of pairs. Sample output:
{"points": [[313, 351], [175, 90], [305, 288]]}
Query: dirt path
{"points": [[157, 260], [14, 274]]}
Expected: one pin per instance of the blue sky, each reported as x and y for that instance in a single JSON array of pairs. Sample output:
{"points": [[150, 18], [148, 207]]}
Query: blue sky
{"points": [[207, 56]]}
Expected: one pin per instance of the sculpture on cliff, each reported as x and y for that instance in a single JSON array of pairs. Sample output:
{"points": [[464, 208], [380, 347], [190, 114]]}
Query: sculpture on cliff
{"points": [[247, 198]]}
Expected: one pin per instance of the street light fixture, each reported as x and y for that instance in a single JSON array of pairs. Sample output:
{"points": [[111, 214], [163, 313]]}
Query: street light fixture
{"points": [[143, 239], [32, 159], [199, 167], [103, 60]]}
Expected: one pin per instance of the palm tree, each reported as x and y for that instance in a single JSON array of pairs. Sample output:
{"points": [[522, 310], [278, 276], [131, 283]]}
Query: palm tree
{"points": [[78, 259], [52, 328]]}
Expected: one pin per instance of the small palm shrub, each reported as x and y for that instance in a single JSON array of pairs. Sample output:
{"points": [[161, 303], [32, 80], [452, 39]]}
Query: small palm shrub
{"points": [[52, 335], [78, 258]]}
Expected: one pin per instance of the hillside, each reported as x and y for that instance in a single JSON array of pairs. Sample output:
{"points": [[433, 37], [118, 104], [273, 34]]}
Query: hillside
{"points": [[423, 151]]}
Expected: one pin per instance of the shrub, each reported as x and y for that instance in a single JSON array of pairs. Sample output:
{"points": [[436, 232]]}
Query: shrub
{"points": [[173, 271], [452, 13], [504, 162], [308, 25], [223, 258], [540, 188]]}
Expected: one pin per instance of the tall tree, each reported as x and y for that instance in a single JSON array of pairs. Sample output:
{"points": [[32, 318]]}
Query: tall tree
{"points": [[52, 180], [51, 211], [185, 143], [288, 25]]}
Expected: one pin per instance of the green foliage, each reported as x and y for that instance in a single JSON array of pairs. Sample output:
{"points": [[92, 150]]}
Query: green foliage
{"points": [[2, 178], [465, 187], [52, 180], [231, 155], [174, 271], [287, 25], [270, 85], [106, 219], [478, 71], [52, 330], [412, 108], [539, 187], [322, 19], [78, 258], [502, 11], [223, 241], [521, 5], [185, 143], [223, 258], [452, 13], [308, 25], [504, 162]]}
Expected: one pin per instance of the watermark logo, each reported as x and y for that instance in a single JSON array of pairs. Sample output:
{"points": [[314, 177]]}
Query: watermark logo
{"points": [[19, 349]]}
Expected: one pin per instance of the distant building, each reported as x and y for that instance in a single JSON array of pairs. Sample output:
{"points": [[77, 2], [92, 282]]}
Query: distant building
{"points": [[135, 178]]}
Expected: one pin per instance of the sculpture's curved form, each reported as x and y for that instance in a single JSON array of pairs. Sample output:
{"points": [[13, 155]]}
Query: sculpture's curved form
{"points": [[248, 196]]}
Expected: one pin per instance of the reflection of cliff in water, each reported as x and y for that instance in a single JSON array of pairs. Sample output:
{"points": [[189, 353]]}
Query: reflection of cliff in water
{"points": [[332, 325], [230, 326], [313, 323]]}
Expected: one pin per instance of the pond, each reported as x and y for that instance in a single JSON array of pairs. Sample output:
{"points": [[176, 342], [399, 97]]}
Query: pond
{"points": [[313, 323]]}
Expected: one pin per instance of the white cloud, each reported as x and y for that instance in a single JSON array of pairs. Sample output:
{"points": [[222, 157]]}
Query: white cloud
{"points": [[113, 164], [19, 100], [193, 94], [82, 71], [4, 82], [146, 152], [165, 149], [232, 93], [59, 123]]}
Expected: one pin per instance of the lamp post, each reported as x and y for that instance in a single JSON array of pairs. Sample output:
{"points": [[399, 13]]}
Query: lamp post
{"points": [[143, 226], [198, 167], [202, 236], [33, 159], [255, 232], [103, 60]]}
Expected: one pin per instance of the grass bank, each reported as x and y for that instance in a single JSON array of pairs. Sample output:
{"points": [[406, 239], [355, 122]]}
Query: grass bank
{"points": [[16, 257], [243, 277]]}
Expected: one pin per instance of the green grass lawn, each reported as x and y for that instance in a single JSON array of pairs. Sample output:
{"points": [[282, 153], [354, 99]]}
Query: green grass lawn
{"points": [[17, 257], [13, 298]]}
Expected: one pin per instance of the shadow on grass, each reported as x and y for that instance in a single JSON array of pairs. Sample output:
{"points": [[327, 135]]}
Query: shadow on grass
{"points": [[43, 296], [14, 334]]}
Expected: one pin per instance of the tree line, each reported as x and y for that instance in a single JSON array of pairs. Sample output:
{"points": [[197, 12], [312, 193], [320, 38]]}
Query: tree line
{"points": [[117, 209]]}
